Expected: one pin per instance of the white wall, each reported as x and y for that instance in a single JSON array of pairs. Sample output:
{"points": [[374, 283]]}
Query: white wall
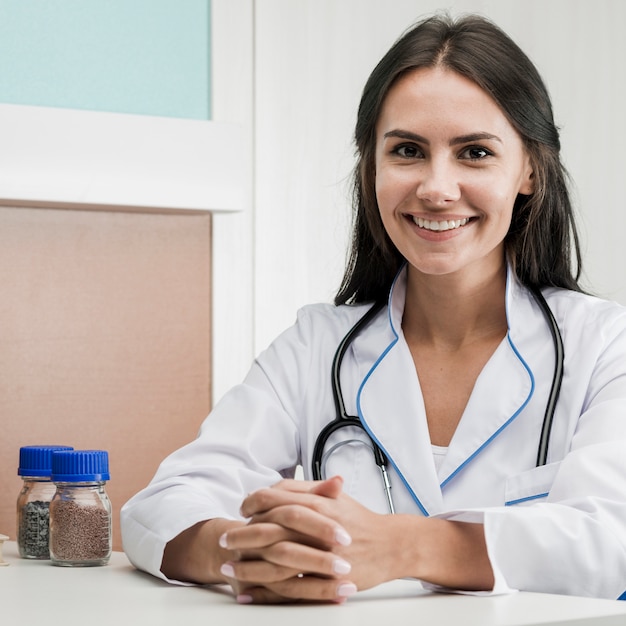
{"points": [[292, 72]]}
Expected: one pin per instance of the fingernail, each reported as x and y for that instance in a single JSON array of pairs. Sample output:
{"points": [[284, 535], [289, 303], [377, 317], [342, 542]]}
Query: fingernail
{"points": [[342, 537], [346, 589], [223, 541], [228, 570], [341, 567], [243, 598]]}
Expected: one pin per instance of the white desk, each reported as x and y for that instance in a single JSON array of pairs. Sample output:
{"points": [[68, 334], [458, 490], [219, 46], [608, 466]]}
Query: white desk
{"points": [[35, 592]]}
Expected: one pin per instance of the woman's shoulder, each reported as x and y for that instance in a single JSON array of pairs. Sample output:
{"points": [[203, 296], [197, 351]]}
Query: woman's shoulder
{"points": [[312, 339], [332, 315], [327, 321], [573, 307], [320, 325]]}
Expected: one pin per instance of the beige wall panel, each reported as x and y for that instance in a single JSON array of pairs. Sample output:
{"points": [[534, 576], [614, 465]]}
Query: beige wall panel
{"points": [[104, 339]]}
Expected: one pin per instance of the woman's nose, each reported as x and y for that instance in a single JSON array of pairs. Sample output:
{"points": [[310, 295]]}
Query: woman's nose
{"points": [[438, 185]]}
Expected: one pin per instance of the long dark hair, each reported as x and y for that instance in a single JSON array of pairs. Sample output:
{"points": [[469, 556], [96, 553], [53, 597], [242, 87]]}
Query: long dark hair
{"points": [[542, 243]]}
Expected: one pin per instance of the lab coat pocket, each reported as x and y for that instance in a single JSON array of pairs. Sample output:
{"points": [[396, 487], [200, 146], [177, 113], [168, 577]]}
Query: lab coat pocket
{"points": [[530, 486]]}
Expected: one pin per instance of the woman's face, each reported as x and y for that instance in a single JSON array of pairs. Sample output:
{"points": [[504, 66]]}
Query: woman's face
{"points": [[449, 166]]}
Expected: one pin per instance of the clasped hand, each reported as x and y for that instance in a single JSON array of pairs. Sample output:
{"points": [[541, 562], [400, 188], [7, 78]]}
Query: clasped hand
{"points": [[305, 540]]}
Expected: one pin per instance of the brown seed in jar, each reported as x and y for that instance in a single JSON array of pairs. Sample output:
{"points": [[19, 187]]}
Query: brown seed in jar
{"points": [[78, 532]]}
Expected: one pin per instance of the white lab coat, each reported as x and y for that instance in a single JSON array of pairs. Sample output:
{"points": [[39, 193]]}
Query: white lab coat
{"points": [[559, 528]]}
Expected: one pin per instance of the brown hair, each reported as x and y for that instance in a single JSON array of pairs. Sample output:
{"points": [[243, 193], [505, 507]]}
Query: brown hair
{"points": [[542, 241]]}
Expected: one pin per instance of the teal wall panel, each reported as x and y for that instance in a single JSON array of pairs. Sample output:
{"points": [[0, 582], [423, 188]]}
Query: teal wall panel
{"points": [[148, 57]]}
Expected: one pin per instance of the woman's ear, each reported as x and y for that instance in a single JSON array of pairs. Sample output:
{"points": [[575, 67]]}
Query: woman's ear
{"points": [[527, 185]]}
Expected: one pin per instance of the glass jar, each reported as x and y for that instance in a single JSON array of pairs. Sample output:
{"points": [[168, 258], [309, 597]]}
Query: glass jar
{"points": [[33, 501], [80, 511]]}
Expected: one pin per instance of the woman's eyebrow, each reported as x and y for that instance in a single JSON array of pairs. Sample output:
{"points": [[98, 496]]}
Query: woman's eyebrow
{"points": [[406, 134], [474, 137]]}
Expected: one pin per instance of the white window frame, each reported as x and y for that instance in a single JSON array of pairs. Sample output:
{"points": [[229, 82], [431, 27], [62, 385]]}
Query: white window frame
{"points": [[68, 158]]}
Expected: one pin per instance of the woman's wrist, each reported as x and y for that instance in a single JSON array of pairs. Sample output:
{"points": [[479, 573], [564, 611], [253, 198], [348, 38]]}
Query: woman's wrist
{"points": [[195, 555], [442, 552]]}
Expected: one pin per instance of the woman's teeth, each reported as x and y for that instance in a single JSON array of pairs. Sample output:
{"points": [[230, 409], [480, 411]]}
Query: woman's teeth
{"points": [[438, 226]]}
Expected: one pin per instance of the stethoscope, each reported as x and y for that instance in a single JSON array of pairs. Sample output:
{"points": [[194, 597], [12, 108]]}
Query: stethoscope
{"points": [[343, 420]]}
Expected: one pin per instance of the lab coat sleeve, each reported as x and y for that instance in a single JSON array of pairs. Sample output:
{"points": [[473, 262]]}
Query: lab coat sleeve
{"points": [[250, 440], [573, 540]]}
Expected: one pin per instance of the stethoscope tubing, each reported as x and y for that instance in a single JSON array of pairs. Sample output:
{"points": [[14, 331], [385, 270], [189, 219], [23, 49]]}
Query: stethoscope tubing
{"points": [[343, 420], [557, 378]]}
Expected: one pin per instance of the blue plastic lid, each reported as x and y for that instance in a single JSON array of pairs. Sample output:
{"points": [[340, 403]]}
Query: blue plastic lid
{"points": [[78, 466], [37, 460]]}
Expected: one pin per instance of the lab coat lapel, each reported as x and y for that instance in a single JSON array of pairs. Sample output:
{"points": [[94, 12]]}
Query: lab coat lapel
{"points": [[502, 390], [391, 406], [500, 393]]}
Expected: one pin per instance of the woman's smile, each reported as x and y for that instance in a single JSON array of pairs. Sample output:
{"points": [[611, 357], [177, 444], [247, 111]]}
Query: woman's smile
{"points": [[437, 229], [436, 225]]}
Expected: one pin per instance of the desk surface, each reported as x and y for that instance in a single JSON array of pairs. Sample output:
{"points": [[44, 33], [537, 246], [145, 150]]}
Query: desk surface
{"points": [[36, 592]]}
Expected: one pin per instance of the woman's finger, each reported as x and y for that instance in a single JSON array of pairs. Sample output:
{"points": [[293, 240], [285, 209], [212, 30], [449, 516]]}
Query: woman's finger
{"points": [[269, 498], [295, 485], [289, 522], [263, 595], [259, 595], [314, 494], [263, 534], [309, 588], [256, 572], [330, 487], [285, 560], [258, 535]]}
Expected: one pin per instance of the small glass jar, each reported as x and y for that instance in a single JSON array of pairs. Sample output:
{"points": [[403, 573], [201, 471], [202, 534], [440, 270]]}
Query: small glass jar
{"points": [[80, 511], [33, 501]]}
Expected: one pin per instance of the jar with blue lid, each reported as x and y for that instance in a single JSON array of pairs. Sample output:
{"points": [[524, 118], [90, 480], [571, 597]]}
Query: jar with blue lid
{"points": [[33, 501], [80, 511]]}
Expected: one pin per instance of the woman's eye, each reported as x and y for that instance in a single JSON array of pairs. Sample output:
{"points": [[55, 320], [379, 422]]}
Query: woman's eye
{"points": [[407, 151], [475, 153]]}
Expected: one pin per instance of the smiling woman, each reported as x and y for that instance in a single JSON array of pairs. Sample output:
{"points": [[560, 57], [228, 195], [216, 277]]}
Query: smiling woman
{"points": [[464, 244], [446, 185]]}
